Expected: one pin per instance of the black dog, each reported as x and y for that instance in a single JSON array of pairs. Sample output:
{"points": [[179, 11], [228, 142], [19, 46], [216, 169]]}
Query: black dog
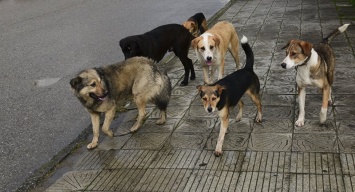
{"points": [[227, 92], [155, 43]]}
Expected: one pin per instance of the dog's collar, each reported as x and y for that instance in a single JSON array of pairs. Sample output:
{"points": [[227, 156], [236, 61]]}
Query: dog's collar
{"points": [[304, 62]]}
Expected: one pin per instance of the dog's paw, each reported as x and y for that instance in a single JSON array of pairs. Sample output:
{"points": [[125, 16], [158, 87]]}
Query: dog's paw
{"points": [[184, 83], [135, 127], [193, 77], [299, 123], [109, 133], [92, 145], [218, 153], [160, 122]]}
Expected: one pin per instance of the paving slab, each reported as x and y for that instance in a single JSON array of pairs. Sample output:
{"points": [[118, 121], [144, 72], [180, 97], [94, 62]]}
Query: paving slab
{"points": [[270, 156]]}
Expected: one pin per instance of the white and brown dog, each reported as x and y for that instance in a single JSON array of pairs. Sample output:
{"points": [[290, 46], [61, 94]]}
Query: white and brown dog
{"points": [[211, 48], [315, 66]]}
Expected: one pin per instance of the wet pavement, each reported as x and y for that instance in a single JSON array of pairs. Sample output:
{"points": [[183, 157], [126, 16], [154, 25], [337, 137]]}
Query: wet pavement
{"points": [[271, 156]]}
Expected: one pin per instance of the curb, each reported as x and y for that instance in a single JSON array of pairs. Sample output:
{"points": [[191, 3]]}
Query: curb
{"points": [[39, 175]]}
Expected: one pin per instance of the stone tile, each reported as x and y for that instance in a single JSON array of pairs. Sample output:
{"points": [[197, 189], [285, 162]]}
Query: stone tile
{"points": [[281, 100], [315, 142], [280, 89], [187, 140], [344, 100], [175, 159], [229, 161], [278, 112], [201, 125], [347, 143], [172, 112], [268, 162], [272, 126], [316, 163], [242, 126], [232, 141], [346, 127], [146, 141], [128, 159], [313, 126], [74, 181], [150, 126], [344, 112], [95, 160], [270, 141]]}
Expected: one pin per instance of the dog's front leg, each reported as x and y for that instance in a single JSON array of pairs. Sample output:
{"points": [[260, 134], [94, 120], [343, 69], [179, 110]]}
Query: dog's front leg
{"points": [[301, 101], [95, 121], [224, 116], [206, 72], [324, 109], [221, 69], [109, 115]]}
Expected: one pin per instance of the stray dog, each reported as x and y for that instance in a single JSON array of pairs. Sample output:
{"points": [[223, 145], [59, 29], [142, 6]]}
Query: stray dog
{"points": [[211, 48], [195, 24], [315, 66], [155, 43], [102, 90], [227, 92]]}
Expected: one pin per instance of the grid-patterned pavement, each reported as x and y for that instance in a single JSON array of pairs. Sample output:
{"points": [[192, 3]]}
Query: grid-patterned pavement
{"points": [[272, 156]]}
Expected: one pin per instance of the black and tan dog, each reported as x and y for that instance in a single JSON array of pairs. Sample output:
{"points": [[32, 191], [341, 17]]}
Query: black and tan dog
{"points": [[102, 89], [227, 92], [315, 66], [156, 43], [195, 24]]}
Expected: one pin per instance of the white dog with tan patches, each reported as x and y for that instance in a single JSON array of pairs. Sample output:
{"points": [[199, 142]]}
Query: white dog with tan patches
{"points": [[315, 66], [211, 48]]}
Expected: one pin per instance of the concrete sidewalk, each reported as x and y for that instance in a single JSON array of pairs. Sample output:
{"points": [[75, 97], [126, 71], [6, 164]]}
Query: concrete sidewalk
{"points": [[272, 156]]}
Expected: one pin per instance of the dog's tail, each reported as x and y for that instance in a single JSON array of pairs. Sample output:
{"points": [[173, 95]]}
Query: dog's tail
{"points": [[249, 54], [335, 33]]}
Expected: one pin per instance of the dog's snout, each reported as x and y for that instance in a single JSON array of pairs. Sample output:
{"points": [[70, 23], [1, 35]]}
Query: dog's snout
{"points": [[209, 58], [209, 109], [283, 65]]}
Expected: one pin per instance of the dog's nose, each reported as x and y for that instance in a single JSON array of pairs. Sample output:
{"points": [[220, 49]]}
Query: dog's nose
{"points": [[209, 109], [209, 58], [283, 65]]}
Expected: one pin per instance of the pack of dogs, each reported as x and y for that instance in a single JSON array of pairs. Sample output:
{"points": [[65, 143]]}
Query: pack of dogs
{"points": [[102, 90]]}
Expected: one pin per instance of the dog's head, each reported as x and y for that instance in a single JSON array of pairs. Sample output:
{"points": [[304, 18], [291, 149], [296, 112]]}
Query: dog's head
{"points": [[210, 96], [90, 84], [130, 47], [297, 52], [206, 45], [191, 26]]}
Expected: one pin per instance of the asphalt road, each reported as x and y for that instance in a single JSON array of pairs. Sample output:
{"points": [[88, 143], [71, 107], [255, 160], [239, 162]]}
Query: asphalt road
{"points": [[43, 43]]}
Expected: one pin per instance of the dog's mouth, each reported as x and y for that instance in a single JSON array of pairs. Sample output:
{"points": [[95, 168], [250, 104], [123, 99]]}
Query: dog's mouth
{"points": [[99, 98], [209, 62]]}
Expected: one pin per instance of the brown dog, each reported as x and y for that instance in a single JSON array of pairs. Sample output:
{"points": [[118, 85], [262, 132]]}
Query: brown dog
{"points": [[211, 48], [102, 89], [315, 66], [195, 24]]}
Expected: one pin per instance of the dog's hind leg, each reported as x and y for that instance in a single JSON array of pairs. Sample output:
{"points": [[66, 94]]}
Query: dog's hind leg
{"points": [[325, 100], [140, 102], [109, 115], [240, 110], [162, 106], [224, 116], [188, 66], [255, 97], [95, 121]]}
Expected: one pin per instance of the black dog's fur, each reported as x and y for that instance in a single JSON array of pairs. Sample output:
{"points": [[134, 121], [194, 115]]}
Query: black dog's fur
{"points": [[199, 18], [155, 43]]}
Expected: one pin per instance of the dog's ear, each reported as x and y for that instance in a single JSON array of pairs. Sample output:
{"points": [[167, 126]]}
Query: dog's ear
{"points": [[76, 83], [199, 88], [220, 88], [288, 44], [195, 41], [306, 47], [216, 41]]}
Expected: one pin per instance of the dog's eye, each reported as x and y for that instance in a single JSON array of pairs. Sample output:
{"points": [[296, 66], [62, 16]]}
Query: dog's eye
{"points": [[203, 48], [211, 47], [292, 54], [205, 99], [213, 99], [93, 84]]}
